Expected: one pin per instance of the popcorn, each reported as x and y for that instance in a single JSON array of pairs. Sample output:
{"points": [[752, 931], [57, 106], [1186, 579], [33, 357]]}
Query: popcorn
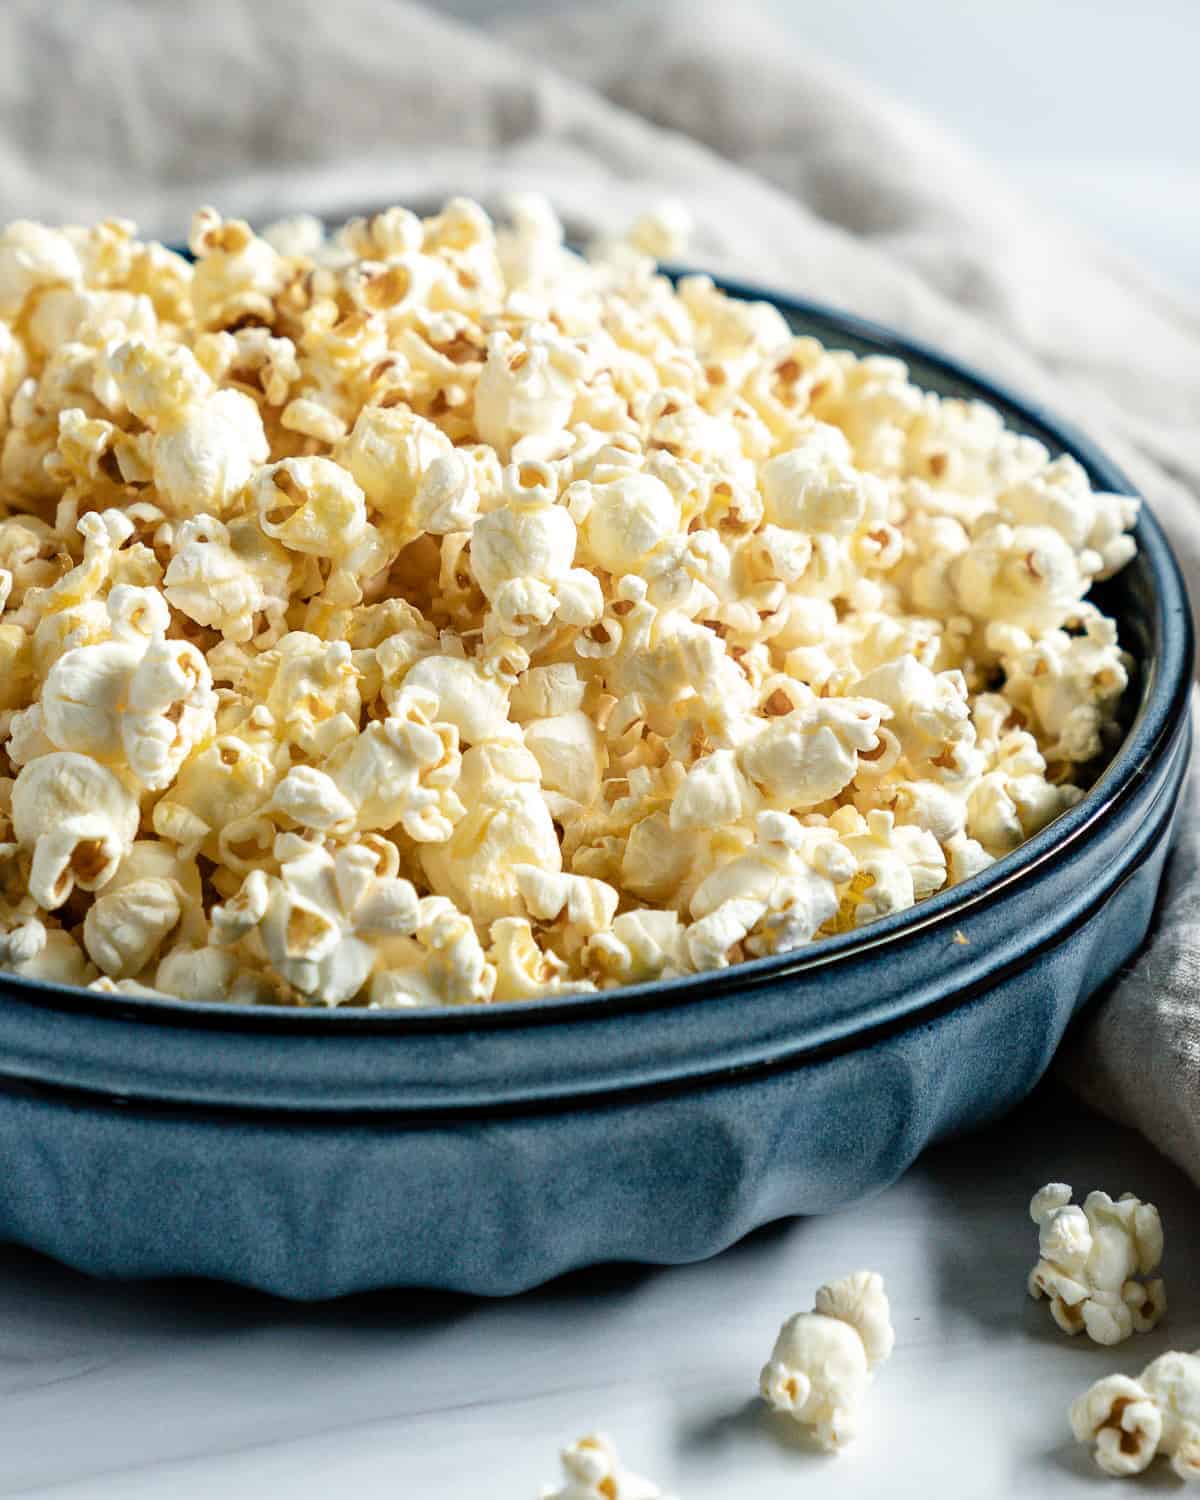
{"points": [[422, 614], [791, 872], [402, 772], [527, 387], [1026, 576], [640, 946], [443, 963], [206, 442], [316, 918], [523, 970], [1060, 496], [1130, 1421], [571, 757], [1089, 1260], [592, 1471], [33, 257], [822, 1362], [77, 819], [506, 824], [625, 520], [522, 554], [809, 755], [1071, 687], [896, 867], [310, 505], [231, 578]]}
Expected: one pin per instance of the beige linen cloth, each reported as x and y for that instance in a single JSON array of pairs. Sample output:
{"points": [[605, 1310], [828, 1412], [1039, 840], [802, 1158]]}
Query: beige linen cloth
{"points": [[796, 174]]}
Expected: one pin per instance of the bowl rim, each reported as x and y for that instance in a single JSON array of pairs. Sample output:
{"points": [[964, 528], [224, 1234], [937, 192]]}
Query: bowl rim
{"points": [[1163, 704]]}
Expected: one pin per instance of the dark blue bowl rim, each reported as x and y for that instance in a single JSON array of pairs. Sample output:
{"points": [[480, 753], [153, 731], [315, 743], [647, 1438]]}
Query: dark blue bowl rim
{"points": [[1157, 721]]}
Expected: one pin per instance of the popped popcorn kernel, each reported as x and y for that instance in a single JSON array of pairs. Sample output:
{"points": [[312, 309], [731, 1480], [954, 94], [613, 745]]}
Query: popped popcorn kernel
{"points": [[1093, 1261], [417, 613], [823, 1360]]}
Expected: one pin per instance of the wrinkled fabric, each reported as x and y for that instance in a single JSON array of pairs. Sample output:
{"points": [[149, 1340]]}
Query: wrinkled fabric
{"points": [[797, 175]]}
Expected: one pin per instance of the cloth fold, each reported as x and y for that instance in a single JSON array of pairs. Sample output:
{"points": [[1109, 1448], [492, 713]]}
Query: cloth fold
{"points": [[796, 174]]}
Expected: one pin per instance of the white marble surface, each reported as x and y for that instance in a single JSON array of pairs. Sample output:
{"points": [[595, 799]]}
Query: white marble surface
{"points": [[168, 1390]]}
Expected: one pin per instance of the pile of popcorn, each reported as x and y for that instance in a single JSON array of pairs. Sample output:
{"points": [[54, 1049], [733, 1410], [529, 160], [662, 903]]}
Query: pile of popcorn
{"points": [[430, 615]]}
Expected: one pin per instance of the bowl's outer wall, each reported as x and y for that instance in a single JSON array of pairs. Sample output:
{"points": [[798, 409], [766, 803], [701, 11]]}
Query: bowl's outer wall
{"points": [[657, 1132]]}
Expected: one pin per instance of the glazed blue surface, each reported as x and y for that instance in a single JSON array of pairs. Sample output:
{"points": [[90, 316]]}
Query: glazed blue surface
{"points": [[313, 1153]]}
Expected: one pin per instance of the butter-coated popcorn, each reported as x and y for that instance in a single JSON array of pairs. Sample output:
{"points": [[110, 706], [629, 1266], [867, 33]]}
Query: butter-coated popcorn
{"points": [[423, 614]]}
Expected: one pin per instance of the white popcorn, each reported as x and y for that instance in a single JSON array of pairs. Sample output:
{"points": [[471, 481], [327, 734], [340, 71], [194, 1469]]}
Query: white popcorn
{"points": [[124, 928], [822, 1362], [206, 441], [311, 798], [641, 945], [212, 974], [312, 694], [506, 824], [1090, 522], [402, 771], [468, 697], [585, 904], [31, 257], [791, 872], [1130, 1421], [896, 867], [930, 714], [811, 754], [570, 753], [137, 700], [443, 964], [228, 577], [522, 554], [625, 520], [60, 961], [78, 820], [310, 505], [645, 635], [318, 916], [1025, 576], [1071, 686], [1090, 1259], [802, 493], [527, 387], [524, 970], [593, 1471]]}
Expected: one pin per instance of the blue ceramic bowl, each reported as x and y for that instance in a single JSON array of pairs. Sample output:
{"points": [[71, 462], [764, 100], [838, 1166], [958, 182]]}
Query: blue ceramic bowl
{"points": [[315, 1153]]}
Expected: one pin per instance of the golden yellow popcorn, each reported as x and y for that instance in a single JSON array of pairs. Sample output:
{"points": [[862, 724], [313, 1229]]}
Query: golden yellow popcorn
{"points": [[429, 615]]}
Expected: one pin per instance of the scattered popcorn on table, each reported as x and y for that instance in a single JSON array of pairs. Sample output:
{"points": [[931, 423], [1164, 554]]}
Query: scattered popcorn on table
{"points": [[1090, 1260], [422, 614], [592, 1471], [822, 1362], [1130, 1421]]}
